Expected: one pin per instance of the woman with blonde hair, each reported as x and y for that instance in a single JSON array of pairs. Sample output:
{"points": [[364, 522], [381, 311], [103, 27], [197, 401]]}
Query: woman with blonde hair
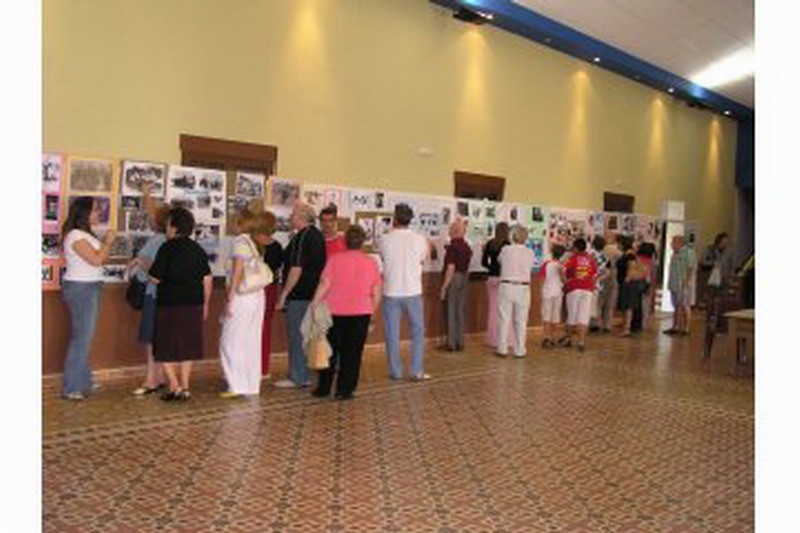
{"points": [[240, 342]]}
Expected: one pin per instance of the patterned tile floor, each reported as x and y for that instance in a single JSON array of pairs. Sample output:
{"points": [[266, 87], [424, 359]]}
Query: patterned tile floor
{"points": [[636, 435]]}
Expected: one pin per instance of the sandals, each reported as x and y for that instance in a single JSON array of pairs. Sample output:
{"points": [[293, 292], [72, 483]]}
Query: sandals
{"points": [[146, 391], [176, 396]]}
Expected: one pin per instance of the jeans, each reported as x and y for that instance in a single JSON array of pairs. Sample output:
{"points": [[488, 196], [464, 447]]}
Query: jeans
{"points": [[82, 299], [393, 307], [298, 364]]}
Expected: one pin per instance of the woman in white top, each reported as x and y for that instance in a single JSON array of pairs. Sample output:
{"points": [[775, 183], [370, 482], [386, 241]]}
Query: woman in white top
{"points": [[514, 295], [240, 342], [80, 287]]}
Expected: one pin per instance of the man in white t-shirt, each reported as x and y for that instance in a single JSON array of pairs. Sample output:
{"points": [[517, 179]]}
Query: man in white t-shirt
{"points": [[514, 293], [403, 252]]}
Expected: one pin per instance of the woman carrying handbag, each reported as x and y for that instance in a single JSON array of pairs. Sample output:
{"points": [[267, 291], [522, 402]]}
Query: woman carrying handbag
{"points": [[242, 320]]}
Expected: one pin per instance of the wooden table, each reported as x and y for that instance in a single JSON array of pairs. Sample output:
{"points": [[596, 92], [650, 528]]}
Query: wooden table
{"points": [[741, 335]]}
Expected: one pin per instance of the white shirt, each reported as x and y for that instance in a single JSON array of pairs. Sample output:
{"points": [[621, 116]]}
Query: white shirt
{"points": [[516, 263], [79, 269], [403, 253], [552, 285]]}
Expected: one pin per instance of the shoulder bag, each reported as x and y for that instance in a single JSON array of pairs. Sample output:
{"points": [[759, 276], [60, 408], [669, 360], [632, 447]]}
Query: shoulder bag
{"points": [[256, 275]]}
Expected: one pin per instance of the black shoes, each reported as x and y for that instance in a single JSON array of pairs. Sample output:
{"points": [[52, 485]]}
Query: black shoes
{"points": [[176, 396]]}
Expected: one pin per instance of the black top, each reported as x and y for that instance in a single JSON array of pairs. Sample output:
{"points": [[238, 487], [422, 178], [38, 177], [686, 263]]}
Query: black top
{"points": [[622, 266], [305, 250], [180, 266], [490, 255], [273, 256]]}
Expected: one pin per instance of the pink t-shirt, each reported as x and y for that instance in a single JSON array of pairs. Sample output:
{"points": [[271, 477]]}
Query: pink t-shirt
{"points": [[352, 275], [334, 246]]}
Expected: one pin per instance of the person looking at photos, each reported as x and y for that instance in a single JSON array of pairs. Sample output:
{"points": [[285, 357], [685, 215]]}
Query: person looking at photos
{"points": [[85, 255], [139, 266], [334, 241], [351, 286], [184, 282], [514, 294], [273, 257], [304, 261], [580, 284], [243, 318], [455, 285], [403, 253], [491, 251]]}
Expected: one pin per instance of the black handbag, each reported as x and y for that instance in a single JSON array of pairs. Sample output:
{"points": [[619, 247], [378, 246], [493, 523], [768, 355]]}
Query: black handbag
{"points": [[135, 293]]}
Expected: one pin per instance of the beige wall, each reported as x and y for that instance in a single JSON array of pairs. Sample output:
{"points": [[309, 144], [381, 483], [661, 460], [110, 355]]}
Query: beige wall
{"points": [[349, 90]]}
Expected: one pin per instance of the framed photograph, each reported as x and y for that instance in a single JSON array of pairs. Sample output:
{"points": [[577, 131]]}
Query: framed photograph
{"points": [[249, 184], [52, 203], [282, 192], [137, 222], [91, 176], [52, 270], [121, 247], [136, 173], [51, 173], [131, 203], [114, 273], [51, 244]]}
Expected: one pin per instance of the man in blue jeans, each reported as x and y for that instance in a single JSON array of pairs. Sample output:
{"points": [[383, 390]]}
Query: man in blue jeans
{"points": [[403, 252], [304, 261]]}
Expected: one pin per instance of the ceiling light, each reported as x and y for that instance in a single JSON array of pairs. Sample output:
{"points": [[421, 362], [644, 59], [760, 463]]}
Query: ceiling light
{"points": [[596, 59], [474, 17], [727, 112], [671, 90], [734, 67]]}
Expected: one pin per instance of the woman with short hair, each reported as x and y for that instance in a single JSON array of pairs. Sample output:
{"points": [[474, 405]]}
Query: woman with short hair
{"points": [[80, 287], [351, 286], [184, 282], [240, 341]]}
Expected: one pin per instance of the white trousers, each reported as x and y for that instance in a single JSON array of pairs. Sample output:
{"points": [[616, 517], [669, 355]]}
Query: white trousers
{"points": [[240, 343], [513, 303]]}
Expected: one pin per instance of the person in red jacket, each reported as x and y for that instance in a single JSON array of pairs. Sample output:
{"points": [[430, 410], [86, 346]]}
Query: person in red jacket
{"points": [[581, 278]]}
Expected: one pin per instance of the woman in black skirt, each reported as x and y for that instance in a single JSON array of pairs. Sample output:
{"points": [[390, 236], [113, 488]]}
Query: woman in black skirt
{"points": [[184, 289]]}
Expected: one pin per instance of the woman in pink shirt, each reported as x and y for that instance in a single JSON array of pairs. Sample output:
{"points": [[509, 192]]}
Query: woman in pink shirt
{"points": [[351, 286]]}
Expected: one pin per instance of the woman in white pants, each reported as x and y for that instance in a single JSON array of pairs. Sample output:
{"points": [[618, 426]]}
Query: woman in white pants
{"points": [[514, 294], [240, 342]]}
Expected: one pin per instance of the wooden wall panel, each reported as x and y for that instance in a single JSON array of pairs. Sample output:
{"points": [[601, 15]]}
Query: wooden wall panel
{"points": [[115, 344]]}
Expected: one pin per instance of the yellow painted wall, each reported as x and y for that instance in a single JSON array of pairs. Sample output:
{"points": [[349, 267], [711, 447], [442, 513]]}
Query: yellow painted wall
{"points": [[349, 90]]}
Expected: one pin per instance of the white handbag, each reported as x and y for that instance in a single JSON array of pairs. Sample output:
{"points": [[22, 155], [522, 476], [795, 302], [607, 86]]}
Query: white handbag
{"points": [[257, 274]]}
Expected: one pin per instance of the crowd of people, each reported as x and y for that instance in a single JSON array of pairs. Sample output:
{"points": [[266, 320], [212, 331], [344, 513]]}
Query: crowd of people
{"points": [[324, 276]]}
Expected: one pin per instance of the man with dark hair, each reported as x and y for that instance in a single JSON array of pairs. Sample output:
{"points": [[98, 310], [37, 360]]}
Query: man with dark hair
{"points": [[334, 241], [403, 253]]}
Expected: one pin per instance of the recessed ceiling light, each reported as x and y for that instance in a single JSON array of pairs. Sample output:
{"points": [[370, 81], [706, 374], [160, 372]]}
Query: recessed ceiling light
{"points": [[596, 59], [727, 112], [671, 90], [487, 16]]}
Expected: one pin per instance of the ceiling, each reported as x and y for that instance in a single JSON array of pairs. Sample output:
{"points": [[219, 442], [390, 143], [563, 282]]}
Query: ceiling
{"points": [[679, 36]]}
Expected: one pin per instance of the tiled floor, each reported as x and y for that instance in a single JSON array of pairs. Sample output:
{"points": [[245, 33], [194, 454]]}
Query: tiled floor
{"points": [[636, 435]]}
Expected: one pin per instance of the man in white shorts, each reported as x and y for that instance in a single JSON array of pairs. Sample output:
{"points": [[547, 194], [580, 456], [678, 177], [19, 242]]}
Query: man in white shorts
{"points": [[581, 273]]}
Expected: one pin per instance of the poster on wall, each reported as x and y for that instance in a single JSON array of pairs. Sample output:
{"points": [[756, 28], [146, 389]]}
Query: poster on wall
{"points": [[202, 191], [566, 225], [51, 273], [51, 213], [283, 192], [137, 173], [246, 190], [51, 173], [90, 176], [51, 245]]}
